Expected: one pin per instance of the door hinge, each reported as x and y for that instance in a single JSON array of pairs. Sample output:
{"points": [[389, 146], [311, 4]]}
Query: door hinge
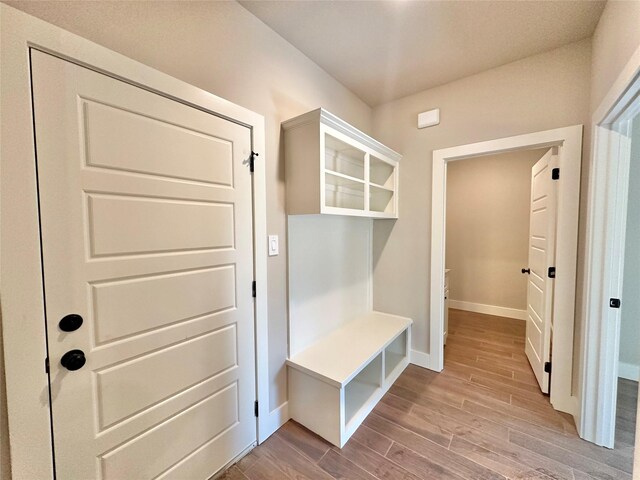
{"points": [[46, 365], [252, 160], [614, 302], [547, 367], [253, 289], [552, 272], [555, 174], [255, 408]]}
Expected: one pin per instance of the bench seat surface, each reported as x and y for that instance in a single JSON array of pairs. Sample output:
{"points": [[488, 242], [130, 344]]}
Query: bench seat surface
{"points": [[338, 357]]}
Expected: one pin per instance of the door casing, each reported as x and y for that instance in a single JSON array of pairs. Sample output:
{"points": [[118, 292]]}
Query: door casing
{"points": [[606, 227], [22, 301], [569, 143]]}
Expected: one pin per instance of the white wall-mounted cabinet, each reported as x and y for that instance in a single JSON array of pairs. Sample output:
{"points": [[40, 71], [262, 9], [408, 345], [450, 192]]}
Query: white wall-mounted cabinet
{"points": [[334, 168]]}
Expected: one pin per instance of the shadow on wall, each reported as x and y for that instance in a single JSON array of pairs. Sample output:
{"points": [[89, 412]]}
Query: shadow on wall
{"points": [[287, 107], [383, 231], [5, 457]]}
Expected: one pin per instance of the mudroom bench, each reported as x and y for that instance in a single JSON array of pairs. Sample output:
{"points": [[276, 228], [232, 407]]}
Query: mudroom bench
{"points": [[335, 383]]}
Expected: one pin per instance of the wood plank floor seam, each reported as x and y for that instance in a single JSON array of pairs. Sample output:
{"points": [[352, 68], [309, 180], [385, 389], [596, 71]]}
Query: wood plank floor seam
{"points": [[584, 462], [293, 445], [482, 418], [323, 455], [390, 445], [389, 459]]}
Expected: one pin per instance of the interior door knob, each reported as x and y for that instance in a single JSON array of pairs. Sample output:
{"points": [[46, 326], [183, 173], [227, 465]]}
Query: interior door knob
{"points": [[73, 360], [526, 270], [70, 323]]}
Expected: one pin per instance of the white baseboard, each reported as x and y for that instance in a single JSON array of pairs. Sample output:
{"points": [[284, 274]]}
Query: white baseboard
{"points": [[629, 371], [420, 359], [568, 405], [489, 309], [277, 417]]}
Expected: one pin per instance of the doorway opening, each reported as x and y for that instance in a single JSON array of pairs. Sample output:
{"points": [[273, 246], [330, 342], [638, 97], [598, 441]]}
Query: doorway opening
{"points": [[568, 147], [629, 342], [500, 233]]}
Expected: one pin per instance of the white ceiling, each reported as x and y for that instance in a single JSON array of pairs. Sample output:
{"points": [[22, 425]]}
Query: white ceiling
{"points": [[383, 50]]}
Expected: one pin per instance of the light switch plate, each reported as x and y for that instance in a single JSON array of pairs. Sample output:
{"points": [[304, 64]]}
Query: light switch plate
{"points": [[273, 245]]}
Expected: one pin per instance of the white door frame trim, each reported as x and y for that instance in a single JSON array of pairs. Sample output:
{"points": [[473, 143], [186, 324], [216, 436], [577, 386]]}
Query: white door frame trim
{"points": [[22, 303], [569, 141], [606, 226]]}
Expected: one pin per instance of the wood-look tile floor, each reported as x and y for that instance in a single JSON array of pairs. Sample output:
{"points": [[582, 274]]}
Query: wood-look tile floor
{"points": [[483, 417]]}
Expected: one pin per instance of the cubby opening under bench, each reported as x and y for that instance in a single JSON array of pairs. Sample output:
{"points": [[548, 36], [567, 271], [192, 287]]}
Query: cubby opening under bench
{"points": [[335, 383]]}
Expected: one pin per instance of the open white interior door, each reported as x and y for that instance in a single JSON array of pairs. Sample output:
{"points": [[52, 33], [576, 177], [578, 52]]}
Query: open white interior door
{"points": [[146, 225], [542, 229]]}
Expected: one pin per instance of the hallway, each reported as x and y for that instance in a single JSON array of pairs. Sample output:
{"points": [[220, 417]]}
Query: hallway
{"points": [[483, 417]]}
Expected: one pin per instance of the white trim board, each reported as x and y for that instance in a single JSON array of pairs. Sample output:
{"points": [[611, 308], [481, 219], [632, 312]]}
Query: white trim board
{"points": [[277, 417], [324, 117], [489, 309], [629, 371], [569, 143], [20, 270], [421, 359]]}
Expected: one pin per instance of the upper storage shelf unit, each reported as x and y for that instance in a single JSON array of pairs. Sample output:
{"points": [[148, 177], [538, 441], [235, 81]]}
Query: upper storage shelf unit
{"points": [[334, 168]]}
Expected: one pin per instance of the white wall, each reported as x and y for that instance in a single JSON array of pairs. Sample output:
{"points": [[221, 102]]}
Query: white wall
{"points": [[224, 49], [329, 275], [541, 92], [630, 311], [487, 231]]}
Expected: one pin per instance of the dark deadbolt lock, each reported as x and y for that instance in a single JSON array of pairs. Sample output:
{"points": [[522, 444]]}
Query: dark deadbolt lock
{"points": [[70, 323], [73, 360]]}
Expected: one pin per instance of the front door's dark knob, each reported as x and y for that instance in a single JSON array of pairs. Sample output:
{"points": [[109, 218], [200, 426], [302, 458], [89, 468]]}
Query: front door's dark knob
{"points": [[73, 360], [70, 323], [526, 270]]}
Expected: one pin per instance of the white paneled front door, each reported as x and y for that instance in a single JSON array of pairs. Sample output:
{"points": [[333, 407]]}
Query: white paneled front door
{"points": [[542, 227], [146, 224]]}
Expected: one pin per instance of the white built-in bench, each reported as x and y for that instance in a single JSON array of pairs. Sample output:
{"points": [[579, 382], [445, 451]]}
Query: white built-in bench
{"points": [[335, 383]]}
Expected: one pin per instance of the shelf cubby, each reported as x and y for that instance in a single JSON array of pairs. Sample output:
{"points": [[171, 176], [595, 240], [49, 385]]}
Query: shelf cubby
{"points": [[381, 172], [361, 389], [394, 354], [343, 192], [343, 158], [381, 199]]}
